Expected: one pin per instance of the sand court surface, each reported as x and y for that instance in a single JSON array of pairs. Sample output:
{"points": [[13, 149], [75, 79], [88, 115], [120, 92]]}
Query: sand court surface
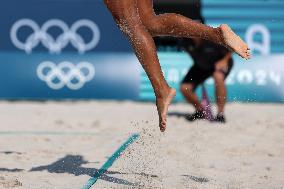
{"points": [[59, 145]]}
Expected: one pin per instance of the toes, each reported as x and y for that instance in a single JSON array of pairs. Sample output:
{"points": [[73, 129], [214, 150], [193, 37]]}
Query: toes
{"points": [[162, 127], [244, 55], [248, 54]]}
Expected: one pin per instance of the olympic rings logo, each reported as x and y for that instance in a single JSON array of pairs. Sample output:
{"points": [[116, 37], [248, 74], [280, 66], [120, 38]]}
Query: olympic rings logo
{"points": [[55, 45], [66, 74]]}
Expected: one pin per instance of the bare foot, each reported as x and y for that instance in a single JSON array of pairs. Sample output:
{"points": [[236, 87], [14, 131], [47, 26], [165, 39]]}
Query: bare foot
{"points": [[162, 107], [234, 42]]}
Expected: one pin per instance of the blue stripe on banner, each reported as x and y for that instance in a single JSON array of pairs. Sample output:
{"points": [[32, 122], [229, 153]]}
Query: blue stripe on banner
{"points": [[110, 161]]}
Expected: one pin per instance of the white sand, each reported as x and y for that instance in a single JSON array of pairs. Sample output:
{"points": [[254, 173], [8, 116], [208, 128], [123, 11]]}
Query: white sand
{"points": [[52, 140]]}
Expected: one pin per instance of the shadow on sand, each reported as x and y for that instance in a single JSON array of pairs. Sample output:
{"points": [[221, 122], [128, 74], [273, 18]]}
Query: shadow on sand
{"points": [[178, 114], [10, 170], [73, 165], [197, 179]]}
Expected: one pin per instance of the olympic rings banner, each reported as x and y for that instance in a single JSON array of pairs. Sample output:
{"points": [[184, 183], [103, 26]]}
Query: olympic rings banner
{"points": [[58, 50], [40, 35]]}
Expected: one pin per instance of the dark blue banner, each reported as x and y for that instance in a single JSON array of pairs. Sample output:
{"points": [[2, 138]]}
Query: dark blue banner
{"points": [[64, 49], [57, 26]]}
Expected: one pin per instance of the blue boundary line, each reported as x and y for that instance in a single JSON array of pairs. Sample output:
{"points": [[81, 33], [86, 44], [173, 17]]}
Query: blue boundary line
{"points": [[110, 161]]}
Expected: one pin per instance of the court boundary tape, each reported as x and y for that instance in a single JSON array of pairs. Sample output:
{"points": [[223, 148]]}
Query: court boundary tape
{"points": [[110, 161]]}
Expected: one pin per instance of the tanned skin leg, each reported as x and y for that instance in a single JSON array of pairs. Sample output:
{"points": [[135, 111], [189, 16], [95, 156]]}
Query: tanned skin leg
{"points": [[180, 26], [126, 15], [220, 91], [190, 96]]}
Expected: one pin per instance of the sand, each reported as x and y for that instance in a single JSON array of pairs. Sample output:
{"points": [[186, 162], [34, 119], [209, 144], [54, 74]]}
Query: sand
{"points": [[58, 145]]}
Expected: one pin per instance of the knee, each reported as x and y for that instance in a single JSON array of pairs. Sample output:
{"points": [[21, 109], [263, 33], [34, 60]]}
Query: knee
{"points": [[218, 77], [153, 23], [129, 26]]}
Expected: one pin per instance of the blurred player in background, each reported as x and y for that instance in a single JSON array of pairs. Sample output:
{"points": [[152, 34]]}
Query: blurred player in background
{"points": [[138, 21], [209, 60]]}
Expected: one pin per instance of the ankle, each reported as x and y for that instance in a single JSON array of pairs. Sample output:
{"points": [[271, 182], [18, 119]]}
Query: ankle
{"points": [[163, 93]]}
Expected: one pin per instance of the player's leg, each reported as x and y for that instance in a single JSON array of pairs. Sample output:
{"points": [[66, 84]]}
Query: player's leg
{"points": [[126, 16], [180, 26], [187, 90], [221, 95], [220, 91], [220, 74], [194, 78]]}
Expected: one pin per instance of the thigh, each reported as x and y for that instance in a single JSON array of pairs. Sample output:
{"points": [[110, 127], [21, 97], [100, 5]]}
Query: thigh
{"points": [[145, 9], [124, 9]]}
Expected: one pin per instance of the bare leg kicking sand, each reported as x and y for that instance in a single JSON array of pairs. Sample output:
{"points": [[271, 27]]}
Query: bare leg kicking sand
{"points": [[137, 20], [170, 24]]}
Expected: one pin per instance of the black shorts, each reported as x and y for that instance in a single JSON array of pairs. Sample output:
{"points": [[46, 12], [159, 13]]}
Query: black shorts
{"points": [[197, 75]]}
